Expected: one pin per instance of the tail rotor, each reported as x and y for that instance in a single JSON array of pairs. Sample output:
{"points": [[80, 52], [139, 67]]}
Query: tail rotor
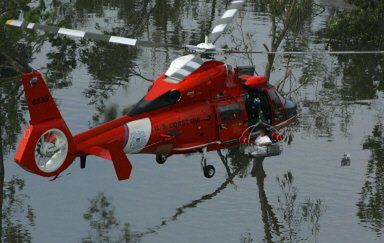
{"points": [[47, 147]]}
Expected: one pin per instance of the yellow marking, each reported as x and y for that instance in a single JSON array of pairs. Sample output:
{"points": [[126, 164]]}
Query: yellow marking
{"points": [[9, 22]]}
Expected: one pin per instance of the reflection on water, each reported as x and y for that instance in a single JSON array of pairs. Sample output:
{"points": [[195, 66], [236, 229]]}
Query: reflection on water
{"points": [[295, 215], [246, 238], [238, 170], [270, 221], [289, 221], [105, 227], [103, 224], [371, 203], [359, 29], [17, 216]]}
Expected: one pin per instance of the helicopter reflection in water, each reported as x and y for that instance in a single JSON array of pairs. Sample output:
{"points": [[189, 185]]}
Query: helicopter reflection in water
{"points": [[291, 220]]}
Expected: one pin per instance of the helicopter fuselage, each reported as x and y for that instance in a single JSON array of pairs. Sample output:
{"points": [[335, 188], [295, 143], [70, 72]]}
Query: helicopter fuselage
{"points": [[194, 106], [208, 111]]}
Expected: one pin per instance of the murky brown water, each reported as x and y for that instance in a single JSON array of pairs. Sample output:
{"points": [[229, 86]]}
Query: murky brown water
{"points": [[303, 195]]}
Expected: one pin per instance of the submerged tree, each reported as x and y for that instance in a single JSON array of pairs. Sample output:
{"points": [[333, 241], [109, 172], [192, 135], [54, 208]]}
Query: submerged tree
{"points": [[17, 216], [104, 226], [358, 30], [16, 52], [294, 215], [14, 58], [288, 17], [371, 204], [271, 223]]}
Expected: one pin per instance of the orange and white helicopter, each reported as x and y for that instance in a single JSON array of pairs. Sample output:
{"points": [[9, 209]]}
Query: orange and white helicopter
{"points": [[197, 105]]}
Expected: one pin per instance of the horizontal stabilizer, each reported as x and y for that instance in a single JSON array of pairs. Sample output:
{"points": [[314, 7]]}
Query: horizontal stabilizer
{"points": [[120, 161], [99, 152]]}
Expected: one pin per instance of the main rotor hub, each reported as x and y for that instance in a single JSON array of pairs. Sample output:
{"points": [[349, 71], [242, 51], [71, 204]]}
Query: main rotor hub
{"points": [[207, 45]]}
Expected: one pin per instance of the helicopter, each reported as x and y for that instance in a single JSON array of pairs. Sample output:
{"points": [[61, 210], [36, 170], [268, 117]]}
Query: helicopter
{"points": [[197, 105]]}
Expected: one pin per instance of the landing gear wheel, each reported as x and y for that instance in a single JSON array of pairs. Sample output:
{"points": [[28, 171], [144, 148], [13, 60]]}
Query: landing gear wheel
{"points": [[161, 158], [209, 171]]}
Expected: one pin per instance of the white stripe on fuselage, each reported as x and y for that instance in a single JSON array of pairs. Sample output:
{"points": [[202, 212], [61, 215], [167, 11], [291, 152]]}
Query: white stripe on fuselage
{"points": [[139, 134]]}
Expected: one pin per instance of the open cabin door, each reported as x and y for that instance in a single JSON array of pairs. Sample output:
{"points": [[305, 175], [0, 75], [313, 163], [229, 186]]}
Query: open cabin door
{"points": [[276, 106], [230, 117], [270, 104]]}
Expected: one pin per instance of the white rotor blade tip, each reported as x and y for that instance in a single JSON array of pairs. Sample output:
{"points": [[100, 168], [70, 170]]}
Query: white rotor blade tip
{"points": [[30, 26], [229, 13], [123, 40], [75, 33], [219, 28], [12, 22]]}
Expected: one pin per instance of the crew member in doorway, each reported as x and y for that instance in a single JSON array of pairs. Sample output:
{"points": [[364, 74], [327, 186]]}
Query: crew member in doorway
{"points": [[253, 106]]}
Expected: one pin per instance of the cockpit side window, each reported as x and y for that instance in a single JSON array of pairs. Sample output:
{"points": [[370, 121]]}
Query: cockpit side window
{"points": [[230, 112]]}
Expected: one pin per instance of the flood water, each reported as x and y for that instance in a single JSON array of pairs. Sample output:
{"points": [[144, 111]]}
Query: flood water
{"points": [[306, 194]]}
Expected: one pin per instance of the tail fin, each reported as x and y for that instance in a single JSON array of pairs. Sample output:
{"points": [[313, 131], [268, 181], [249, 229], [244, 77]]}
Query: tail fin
{"points": [[47, 146], [41, 105]]}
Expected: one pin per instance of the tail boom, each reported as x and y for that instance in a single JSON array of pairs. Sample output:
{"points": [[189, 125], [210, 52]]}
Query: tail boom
{"points": [[47, 146]]}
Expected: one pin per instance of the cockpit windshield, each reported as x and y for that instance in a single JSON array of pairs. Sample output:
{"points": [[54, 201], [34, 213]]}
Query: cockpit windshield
{"points": [[169, 98]]}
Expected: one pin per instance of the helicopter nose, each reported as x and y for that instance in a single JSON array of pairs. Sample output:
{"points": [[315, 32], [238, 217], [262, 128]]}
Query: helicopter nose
{"points": [[290, 108]]}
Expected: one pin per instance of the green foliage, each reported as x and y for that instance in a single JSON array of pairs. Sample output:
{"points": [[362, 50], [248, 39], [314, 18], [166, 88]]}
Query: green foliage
{"points": [[291, 14], [14, 54], [17, 215], [359, 29], [370, 205], [104, 226], [362, 27], [11, 116], [288, 21], [366, 4], [101, 217], [295, 215]]}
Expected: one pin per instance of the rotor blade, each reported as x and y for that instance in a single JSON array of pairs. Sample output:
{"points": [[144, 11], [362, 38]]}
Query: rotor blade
{"points": [[85, 34], [225, 20], [305, 52]]}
